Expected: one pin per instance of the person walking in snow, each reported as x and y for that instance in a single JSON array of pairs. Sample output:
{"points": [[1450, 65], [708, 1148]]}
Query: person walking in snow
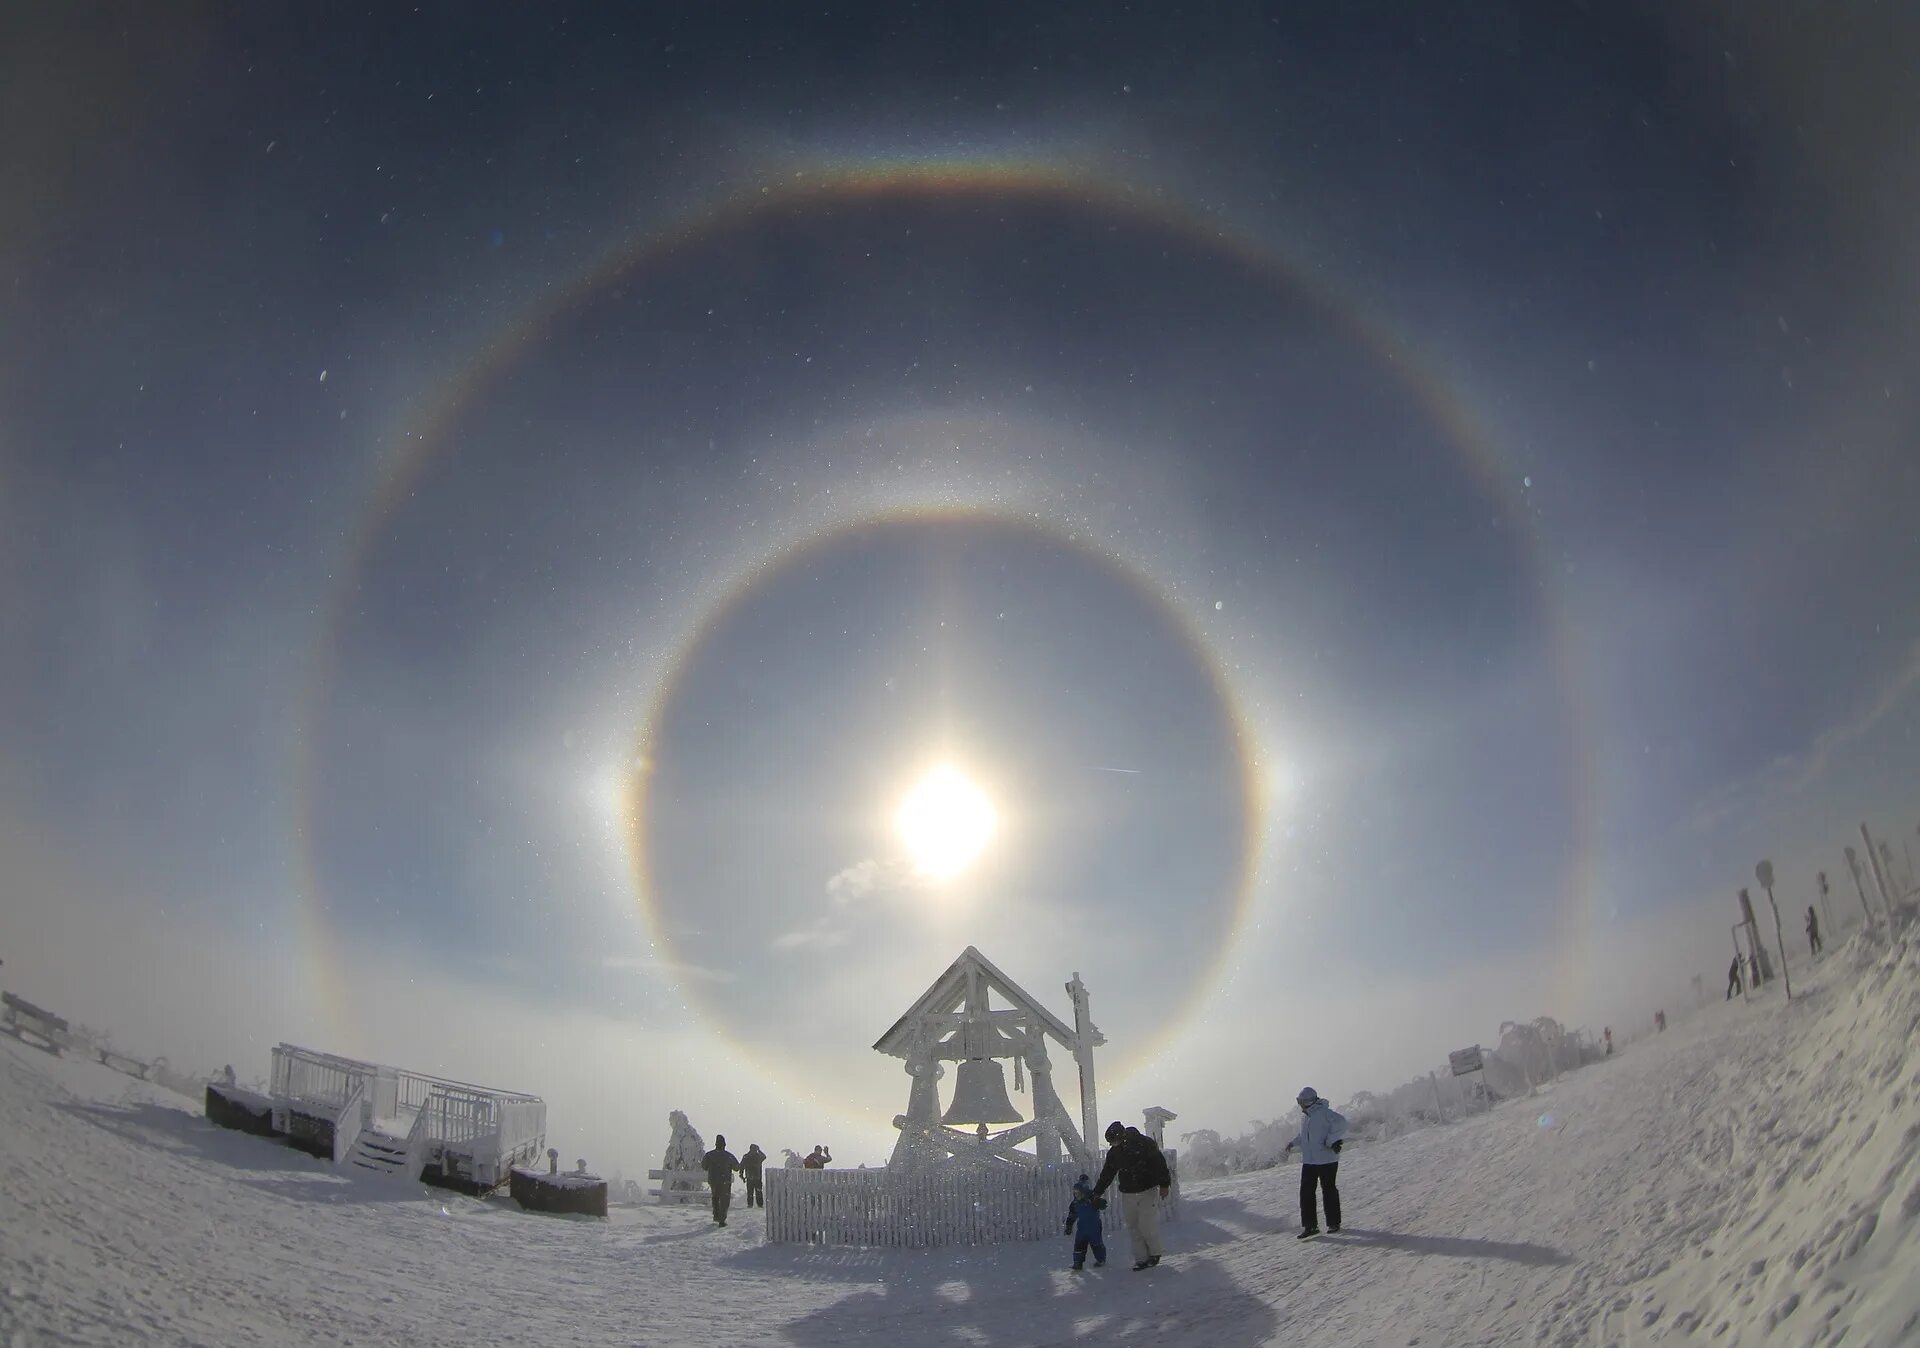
{"points": [[1140, 1168], [1813, 930], [1322, 1133], [720, 1165], [752, 1169], [1734, 989], [1084, 1213], [1607, 1035]]}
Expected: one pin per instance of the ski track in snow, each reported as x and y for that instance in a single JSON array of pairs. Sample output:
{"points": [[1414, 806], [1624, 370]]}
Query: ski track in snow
{"points": [[1750, 1176]]}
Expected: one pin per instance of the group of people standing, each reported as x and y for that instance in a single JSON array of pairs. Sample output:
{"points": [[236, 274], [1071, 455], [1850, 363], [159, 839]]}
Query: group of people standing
{"points": [[1814, 946], [1139, 1168], [1135, 1164], [722, 1165]]}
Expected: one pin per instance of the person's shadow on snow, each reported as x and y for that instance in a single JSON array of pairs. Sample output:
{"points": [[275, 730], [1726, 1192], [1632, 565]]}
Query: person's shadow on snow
{"points": [[1021, 1294], [1457, 1247], [1224, 1219]]}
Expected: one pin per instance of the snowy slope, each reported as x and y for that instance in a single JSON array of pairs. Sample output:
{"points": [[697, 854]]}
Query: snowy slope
{"points": [[1751, 1176]]}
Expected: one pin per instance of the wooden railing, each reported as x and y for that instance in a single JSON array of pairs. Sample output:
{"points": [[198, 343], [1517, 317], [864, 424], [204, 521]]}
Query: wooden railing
{"points": [[493, 1129], [938, 1207], [319, 1080], [350, 1120]]}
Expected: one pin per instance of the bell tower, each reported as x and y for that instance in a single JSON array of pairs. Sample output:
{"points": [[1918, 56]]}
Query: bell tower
{"points": [[957, 1020]]}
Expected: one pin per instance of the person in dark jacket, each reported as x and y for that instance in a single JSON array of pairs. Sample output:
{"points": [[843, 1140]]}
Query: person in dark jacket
{"points": [[753, 1170], [1813, 930], [1084, 1213], [1141, 1170], [1733, 979], [720, 1165]]}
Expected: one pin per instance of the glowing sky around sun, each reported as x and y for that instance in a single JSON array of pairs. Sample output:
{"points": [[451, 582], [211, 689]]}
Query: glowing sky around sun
{"points": [[659, 534]]}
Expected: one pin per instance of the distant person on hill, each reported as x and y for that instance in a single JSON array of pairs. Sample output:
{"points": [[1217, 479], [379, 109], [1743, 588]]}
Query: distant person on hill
{"points": [[720, 1165], [752, 1167], [1813, 929], [1733, 979], [1607, 1035], [1322, 1133], [1141, 1170], [1084, 1213]]}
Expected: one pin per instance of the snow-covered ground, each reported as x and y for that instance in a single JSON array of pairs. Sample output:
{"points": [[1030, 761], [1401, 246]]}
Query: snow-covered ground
{"points": [[1751, 1176]]}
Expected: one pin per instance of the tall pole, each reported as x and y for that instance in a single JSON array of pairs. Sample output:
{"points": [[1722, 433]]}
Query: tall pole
{"points": [[1853, 868], [1084, 1038], [1879, 879], [1764, 874]]}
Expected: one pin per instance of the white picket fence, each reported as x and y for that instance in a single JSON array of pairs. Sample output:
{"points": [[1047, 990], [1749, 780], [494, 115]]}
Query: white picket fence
{"points": [[940, 1207]]}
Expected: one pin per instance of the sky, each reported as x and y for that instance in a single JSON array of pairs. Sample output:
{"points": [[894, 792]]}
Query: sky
{"points": [[1390, 514]]}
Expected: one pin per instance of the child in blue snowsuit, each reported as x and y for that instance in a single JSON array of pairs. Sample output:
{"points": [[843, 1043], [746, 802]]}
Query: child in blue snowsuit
{"points": [[1085, 1213]]}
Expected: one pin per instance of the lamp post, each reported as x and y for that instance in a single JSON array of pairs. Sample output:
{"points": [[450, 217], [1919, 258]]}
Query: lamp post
{"points": [[1764, 874]]}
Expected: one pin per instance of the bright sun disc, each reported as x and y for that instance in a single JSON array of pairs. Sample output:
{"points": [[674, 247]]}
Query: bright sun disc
{"points": [[946, 821]]}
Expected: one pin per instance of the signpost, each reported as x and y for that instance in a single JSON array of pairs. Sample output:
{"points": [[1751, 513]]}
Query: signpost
{"points": [[1465, 1060], [1764, 874]]}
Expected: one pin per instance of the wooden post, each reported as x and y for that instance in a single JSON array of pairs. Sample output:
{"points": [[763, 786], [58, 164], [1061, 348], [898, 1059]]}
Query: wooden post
{"points": [[1853, 869], [1764, 874], [1879, 878], [1083, 1034]]}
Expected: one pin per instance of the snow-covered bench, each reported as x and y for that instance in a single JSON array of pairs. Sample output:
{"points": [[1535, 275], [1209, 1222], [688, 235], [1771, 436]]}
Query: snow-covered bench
{"points": [[23, 1015], [120, 1062], [667, 1193]]}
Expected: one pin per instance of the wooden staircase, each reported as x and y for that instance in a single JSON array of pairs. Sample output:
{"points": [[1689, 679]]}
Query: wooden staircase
{"points": [[381, 1154]]}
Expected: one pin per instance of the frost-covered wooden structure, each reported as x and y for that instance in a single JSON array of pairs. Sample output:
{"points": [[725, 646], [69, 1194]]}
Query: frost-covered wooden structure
{"points": [[957, 1020], [920, 1208], [954, 1179], [391, 1121]]}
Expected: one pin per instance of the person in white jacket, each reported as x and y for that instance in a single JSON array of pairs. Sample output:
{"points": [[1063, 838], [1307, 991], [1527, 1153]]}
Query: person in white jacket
{"points": [[1322, 1131]]}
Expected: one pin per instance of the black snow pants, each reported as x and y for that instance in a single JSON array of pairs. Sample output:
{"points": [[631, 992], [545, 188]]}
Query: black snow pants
{"points": [[756, 1191], [722, 1196], [1321, 1175]]}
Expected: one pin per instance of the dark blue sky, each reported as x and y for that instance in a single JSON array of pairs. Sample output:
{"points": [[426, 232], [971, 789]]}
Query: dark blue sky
{"points": [[1148, 338]]}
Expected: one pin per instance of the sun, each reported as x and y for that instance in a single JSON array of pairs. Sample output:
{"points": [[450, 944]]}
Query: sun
{"points": [[946, 822]]}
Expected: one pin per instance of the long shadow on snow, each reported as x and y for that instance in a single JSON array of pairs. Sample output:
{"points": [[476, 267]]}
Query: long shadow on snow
{"points": [[1236, 1221], [184, 1133], [1458, 1247], [181, 1131], [1021, 1294]]}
